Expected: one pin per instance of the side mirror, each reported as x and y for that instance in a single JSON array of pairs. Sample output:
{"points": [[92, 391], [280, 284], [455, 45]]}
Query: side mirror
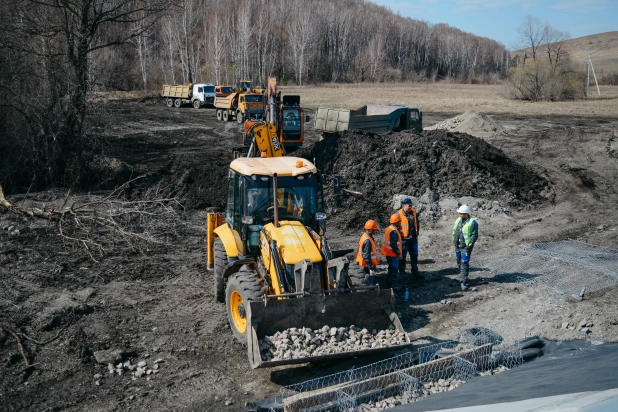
{"points": [[307, 119], [320, 216]]}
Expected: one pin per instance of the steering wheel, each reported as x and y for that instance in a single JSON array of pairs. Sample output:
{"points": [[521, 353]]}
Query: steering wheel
{"points": [[283, 211]]}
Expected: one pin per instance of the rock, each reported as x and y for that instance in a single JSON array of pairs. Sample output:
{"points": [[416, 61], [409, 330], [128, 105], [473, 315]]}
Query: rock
{"points": [[585, 331], [429, 196], [228, 403], [97, 376], [333, 331], [112, 356], [158, 361], [155, 366], [120, 372], [583, 323], [110, 368], [565, 325], [141, 364]]}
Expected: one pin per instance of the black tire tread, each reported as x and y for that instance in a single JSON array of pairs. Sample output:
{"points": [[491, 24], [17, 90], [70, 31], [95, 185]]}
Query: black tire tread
{"points": [[221, 262], [358, 277], [250, 286]]}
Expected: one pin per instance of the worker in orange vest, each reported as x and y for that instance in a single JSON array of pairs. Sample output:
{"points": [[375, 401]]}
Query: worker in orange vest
{"points": [[391, 248], [409, 234], [367, 253]]}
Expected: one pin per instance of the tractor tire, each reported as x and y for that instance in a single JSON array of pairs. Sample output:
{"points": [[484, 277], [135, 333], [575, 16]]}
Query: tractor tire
{"points": [[226, 116], [219, 115], [243, 286], [176, 103], [358, 277], [220, 264], [169, 102], [196, 104], [239, 117]]}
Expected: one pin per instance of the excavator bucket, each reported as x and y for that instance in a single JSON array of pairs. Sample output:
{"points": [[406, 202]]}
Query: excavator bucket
{"points": [[371, 309]]}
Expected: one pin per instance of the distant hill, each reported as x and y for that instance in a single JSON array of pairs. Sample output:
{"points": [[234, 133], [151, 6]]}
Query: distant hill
{"points": [[604, 50]]}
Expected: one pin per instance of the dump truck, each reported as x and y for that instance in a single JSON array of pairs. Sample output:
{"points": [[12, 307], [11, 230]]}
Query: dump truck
{"points": [[376, 118], [273, 266], [238, 104], [199, 94], [286, 113]]}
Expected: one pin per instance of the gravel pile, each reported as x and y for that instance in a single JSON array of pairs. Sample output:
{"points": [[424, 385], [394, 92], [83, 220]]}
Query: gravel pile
{"points": [[471, 122], [296, 343]]}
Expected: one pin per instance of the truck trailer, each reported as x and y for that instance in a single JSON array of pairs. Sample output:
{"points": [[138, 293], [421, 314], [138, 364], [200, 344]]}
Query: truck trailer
{"points": [[376, 118], [199, 94]]}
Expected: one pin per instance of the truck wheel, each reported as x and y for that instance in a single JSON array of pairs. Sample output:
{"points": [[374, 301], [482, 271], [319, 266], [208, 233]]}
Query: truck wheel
{"points": [[219, 115], [226, 116], [243, 286], [176, 103], [169, 102], [196, 104], [239, 117], [220, 264], [358, 277]]}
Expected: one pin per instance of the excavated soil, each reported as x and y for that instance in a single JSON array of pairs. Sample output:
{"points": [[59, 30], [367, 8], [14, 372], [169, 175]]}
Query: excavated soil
{"points": [[147, 295], [449, 163]]}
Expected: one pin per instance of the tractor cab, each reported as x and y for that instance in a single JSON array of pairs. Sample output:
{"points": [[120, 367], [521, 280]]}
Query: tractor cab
{"points": [[283, 191]]}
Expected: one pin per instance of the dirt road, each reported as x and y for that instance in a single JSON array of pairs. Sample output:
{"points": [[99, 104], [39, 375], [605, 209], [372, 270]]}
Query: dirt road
{"points": [[153, 298]]}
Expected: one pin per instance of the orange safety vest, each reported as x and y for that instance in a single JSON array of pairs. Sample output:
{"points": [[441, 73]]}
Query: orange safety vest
{"points": [[405, 225], [374, 253], [387, 250]]}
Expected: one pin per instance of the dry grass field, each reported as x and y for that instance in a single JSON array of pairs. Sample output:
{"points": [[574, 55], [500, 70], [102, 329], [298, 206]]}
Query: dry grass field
{"points": [[450, 98]]}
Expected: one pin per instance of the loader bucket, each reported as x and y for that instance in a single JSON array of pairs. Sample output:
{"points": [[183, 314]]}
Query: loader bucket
{"points": [[371, 309]]}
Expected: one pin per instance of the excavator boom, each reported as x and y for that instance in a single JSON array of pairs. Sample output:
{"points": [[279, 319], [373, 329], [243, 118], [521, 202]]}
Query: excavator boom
{"points": [[262, 139]]}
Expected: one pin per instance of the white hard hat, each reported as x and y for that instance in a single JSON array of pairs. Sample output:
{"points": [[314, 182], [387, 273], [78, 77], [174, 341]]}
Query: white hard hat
{"points": [[464, 209]]}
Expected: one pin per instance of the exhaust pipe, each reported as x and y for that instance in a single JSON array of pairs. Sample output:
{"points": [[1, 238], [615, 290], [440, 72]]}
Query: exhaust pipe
{"points": [[276, 201]]}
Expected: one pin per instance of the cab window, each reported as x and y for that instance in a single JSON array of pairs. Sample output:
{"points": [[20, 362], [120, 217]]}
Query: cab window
{"points": [[232, 211]]}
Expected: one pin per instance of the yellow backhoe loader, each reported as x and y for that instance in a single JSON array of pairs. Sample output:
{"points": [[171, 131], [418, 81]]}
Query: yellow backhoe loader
{"points": [[272, 265]]}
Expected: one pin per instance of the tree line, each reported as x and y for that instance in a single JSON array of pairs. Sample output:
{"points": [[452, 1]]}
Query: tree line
{"points": [[310, 41], [54, 53]]}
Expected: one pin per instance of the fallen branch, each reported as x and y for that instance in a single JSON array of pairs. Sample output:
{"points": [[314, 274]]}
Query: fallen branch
{"points": [[352, 192], [21, 348], [43, 343]]}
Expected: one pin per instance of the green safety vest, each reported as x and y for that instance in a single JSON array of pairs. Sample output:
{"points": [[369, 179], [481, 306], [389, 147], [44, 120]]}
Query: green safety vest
{"points": [[466, 230]]}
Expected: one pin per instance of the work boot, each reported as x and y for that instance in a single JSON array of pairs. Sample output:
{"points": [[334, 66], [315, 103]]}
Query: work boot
{"points": [[464, 287]]}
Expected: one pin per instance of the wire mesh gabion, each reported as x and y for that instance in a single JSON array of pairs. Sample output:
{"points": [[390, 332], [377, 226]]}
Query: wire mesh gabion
{"points": [[405, 378], [564, 269]]}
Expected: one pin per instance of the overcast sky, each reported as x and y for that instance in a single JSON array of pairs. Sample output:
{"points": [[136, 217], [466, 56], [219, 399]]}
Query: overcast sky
{"points": [[499, 19]]}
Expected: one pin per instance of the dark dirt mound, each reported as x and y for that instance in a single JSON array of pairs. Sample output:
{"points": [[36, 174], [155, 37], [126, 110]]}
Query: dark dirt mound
{"points": [[198, 187], [448, 163]]}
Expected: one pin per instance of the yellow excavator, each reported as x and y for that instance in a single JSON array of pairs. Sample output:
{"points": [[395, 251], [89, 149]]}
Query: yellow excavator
{"points": [[272, 264]]}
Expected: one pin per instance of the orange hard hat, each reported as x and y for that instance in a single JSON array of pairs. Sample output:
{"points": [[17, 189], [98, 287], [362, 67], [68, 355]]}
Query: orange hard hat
{"points": [[395, 218], [371, 224]]}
